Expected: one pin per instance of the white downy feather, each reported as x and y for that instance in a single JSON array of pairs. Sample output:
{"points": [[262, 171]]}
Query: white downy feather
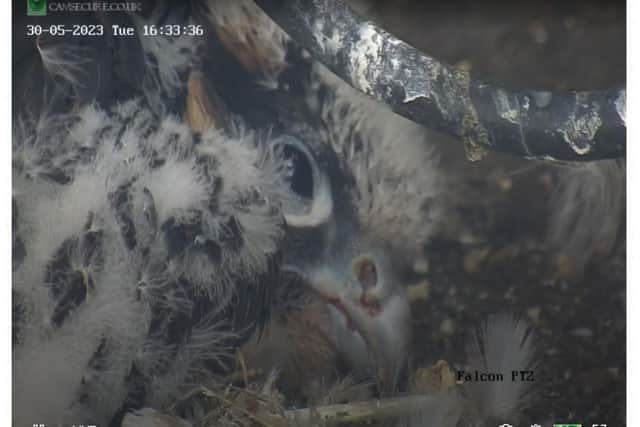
{"points": [[587, 210], [502, 345]]}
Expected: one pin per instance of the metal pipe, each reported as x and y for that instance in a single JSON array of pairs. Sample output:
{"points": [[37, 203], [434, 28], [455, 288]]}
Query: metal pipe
{"points": [[583, 125]]}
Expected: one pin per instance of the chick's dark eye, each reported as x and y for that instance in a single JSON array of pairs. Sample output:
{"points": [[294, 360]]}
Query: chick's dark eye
{"points": [[309, 201], [299, 171]]}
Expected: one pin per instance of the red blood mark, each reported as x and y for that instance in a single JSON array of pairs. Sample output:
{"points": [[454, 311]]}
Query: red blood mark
{"points": [[372, 308]]}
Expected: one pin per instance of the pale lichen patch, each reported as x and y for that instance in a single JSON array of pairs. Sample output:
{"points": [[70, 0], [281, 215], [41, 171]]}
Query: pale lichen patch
{"points": [[329, 44], [580, 129], [411, 96], [472, 132], [504, 107], [365, 58]]}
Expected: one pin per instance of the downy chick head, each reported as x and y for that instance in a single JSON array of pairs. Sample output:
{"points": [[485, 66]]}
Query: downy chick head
{"points": [[369, 313]]}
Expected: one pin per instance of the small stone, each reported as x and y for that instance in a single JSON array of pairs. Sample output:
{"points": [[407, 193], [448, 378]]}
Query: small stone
{"points": [[564, 267], [448, 327], [474, 258], [505, 253], [434, 379], [467, 238], [421, 266], [505, 183], [419, 291], [534, 314]]}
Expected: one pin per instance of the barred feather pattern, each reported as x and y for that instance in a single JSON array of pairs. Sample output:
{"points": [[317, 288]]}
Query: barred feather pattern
{"points": [[146, 256], [256, 41]]}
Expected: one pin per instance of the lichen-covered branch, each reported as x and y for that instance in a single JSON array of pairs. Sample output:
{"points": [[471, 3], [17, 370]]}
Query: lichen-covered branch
{"points": [[586, 125]]}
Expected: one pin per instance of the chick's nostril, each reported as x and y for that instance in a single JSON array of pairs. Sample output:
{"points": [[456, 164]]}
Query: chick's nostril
{"points": [[366, 273]]}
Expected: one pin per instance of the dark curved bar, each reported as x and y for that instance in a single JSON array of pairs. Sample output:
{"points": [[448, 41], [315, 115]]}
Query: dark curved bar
{"points": [[568, 126]]}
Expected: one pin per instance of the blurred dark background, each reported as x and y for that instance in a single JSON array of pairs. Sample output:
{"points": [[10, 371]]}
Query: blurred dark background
{"points": [[506, 266], [538, 44]]}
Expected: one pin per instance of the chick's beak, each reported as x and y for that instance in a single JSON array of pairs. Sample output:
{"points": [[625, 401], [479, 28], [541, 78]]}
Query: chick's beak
{"points": [[375, 308]]}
